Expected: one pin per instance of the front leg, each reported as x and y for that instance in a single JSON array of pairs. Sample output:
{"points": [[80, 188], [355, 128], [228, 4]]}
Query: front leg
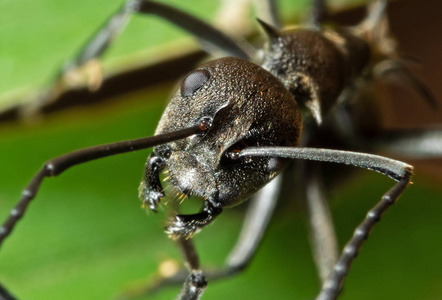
{"points": [[195, 283], [151, 190]]}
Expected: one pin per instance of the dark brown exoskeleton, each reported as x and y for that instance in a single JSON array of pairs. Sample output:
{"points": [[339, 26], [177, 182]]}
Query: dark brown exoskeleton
{"points": [[233, 126], [246, 106], [242, 105]]}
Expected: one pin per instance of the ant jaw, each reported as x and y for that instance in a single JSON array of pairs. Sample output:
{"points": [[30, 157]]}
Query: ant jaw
{"points": [[181, 228], [185, 226]]}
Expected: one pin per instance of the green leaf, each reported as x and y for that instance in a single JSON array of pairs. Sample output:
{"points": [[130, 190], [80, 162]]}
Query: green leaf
{"points": [[85, 236]]}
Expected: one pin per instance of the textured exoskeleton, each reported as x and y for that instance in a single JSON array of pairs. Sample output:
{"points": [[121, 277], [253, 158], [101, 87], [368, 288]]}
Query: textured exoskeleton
{"points": [[245, 106]]}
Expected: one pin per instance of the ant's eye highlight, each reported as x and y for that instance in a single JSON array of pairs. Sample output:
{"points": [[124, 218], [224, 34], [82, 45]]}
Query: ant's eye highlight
{"points": [[194, 81]]}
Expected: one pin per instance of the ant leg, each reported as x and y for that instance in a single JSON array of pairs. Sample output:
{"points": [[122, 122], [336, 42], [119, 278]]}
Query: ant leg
{"points": [[376, 20], [196, 283], [322, 234], [101, 40], [333, 285], [412, 143], [267, 10], [59, 164], [87, 59], [151, 190], [396, 170], [5, 294], [399, 72], [255, 224], [201, 30], [317, 13], [397, 66], [254, 227]]}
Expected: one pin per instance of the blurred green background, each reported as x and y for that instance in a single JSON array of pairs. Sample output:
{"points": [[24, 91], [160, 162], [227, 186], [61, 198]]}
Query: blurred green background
{"points": [[85, 237]]}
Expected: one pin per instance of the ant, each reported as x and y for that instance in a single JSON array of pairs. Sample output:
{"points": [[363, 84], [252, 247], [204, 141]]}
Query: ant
{"points": [[233, 126]]}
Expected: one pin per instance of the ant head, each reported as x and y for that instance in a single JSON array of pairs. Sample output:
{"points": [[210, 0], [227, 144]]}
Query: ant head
{"points": [[240, 105]]}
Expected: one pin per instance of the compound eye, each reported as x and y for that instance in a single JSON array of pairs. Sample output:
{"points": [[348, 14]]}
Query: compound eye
{"points": [[194, 81]]}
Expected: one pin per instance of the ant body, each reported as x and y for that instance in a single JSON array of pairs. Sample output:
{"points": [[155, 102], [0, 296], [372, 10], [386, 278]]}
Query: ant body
{"points": [[233, 126]]}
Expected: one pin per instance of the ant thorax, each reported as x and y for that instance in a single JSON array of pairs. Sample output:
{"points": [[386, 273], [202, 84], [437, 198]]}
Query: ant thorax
{"points": [[316, 66]]}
